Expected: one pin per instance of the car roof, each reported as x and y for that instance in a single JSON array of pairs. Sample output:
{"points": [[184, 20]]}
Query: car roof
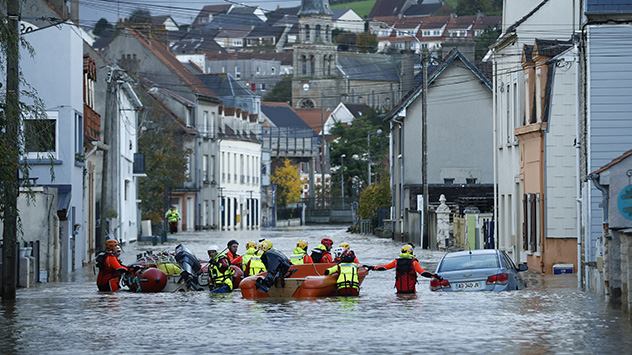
{"points": [[472, 252]]}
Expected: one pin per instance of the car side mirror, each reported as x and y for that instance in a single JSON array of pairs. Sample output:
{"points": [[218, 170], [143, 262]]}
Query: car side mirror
{"points": [[523, 267]]}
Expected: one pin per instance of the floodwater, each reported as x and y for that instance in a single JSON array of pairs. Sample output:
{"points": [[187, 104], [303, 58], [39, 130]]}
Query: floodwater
{"points": [[550, 316]]}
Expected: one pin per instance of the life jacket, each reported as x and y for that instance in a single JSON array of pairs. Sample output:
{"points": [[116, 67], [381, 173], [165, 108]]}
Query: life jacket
{"points": [[298, 258], [347, 275], [100, 260], [172, 216], [246, 258], [405, 274], [217, 277], [318, 253], [256, 265]]}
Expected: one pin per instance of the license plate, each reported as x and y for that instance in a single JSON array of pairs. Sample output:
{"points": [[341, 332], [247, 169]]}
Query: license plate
{"points": [[467, 285]]}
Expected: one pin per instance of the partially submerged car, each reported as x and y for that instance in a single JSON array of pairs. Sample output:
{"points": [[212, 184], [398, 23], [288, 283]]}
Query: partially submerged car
{"points": [[478, 270]]}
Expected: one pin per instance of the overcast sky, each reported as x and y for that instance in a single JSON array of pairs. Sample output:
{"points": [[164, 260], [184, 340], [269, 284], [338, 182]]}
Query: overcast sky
{"points": [[183, 11]]}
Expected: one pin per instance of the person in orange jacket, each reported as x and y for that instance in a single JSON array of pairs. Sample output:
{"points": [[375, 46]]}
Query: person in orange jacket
{"points": [[110, 267], [407, 269], [231, 254]]}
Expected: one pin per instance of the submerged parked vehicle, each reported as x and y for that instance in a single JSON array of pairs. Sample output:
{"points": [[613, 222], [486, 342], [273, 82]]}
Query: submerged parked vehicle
{"points": [[478, 270]]}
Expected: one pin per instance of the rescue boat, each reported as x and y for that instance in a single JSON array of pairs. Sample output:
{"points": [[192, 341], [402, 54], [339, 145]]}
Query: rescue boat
{"points": [[306, 280]]}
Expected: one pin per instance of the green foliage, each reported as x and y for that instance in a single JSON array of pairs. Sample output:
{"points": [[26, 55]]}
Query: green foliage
{"points": [[281, 92], [165, 161], [373, 197], [346, 41], [472, 7], [140, 16], [486, 39], [353, 142], [288, 184], [103, 28], [362, 8], [367, 42]]}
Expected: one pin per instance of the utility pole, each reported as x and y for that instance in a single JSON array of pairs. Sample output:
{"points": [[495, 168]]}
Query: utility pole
{"points": [[11, 187], [424, 146], [322, 152]]}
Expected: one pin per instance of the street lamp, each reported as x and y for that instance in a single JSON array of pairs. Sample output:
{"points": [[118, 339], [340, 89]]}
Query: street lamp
{"points": [[369, 151], [342, 179]]}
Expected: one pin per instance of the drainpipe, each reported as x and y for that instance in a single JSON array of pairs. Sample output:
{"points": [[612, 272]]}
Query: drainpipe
{"points": [[578, 193], [401, 174], [516, 255], [605, 235]]}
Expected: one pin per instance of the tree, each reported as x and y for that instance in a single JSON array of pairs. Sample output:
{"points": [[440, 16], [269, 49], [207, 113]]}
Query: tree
{"points": [[372, 198], [486, 39], [140, 16], [13, 110], [353, 142], [165, 161], [103, 28], [367, 42], [346, 41], [472, 7], [281, 92], [288, 184]]}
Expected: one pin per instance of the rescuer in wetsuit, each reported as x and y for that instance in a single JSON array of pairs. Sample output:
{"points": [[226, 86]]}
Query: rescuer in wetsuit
{"points": [[110, 268]]}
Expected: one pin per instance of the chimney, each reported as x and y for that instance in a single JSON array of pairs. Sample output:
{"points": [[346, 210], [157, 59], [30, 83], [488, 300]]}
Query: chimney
{"points": [[407, 70]]}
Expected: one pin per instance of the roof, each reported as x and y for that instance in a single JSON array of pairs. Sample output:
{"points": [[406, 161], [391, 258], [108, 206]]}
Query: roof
{"points": [[424, 9], [386, 8], [282, 115], [363, 66], [314, 7], [159, 20], [240, 32], [198, 41], [226, 87], [163, 54], [357, 110], [608, 6], [314, 117], [171, 115], [550, 48], [284, 57], [447, 61], [234, 20], [614, 162], [211, 10], [266, 31]]}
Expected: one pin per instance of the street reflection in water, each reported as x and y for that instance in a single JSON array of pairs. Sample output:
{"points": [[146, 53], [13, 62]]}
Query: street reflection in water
{"points": [[550, 316]]}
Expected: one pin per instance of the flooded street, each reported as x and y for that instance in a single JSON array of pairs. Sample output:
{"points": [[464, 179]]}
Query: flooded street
{"points": [[550, 316]]}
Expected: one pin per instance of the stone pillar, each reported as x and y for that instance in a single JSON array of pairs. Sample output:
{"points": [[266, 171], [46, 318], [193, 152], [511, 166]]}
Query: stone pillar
{"points": [[443, 223]]}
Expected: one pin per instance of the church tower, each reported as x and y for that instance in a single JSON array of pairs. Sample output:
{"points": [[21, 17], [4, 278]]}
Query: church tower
{"points": [[315, 81]]}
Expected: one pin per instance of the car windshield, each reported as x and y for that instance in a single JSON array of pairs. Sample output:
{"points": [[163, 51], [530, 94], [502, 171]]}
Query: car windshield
{"points": [[471, 261]]}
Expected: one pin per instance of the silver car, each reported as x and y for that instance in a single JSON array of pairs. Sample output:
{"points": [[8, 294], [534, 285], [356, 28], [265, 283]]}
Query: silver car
{"points": [[478, 270]]}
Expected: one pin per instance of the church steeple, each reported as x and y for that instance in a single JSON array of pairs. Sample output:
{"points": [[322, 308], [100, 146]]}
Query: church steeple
{"points": [[315, 7]]}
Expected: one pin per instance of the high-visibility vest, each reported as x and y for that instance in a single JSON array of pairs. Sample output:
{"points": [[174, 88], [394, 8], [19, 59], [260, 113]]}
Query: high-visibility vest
{"points": [[298, 258], [348, 275], [256, 265]]}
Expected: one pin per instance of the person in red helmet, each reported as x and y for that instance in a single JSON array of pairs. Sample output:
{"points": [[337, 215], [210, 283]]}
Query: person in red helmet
{"points": [[347, 283], [110, 267], [407, 267], [322, 252]]}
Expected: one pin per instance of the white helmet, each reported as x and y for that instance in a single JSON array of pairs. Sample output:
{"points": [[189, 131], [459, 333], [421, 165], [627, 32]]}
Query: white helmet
{"points": [[212, 247], [337, 251]]}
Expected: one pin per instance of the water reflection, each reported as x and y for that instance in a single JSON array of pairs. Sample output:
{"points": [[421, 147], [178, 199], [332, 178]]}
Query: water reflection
{"points": [[550, 316]]}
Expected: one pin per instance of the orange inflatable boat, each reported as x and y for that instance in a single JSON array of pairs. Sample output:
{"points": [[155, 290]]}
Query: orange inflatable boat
{"points": [[309, 280]]}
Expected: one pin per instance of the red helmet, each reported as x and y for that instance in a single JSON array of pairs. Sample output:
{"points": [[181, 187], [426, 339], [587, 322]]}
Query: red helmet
{"points": [[347, 256], [327, 242]]}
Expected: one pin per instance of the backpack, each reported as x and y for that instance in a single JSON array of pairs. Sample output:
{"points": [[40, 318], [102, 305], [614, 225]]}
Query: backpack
{"points": [[317, 255], [100, 259]]}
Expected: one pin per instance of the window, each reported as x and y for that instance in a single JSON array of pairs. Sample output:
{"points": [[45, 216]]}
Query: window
{"points": [[205, 122], [263, 87], [187, 173], [304, 62], [258, 70], [40, 136], [237, 71], [273, 70], [78, 135], [205, 168], [531, 222], [448, 181], [237, 42], [317, 34], [470, 180], [312, 66], [538, 96], [307, 38], [508, 113]]}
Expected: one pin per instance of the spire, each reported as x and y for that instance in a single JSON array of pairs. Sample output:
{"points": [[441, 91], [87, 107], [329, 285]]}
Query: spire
{"points": [[315, 7]]}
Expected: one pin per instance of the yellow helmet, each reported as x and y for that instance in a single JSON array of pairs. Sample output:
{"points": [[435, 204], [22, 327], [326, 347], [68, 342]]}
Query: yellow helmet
{"points": [[302, 244], [269, 242], [345, 245], [407, 249], [111, 244], [263, 246], [251, 244]]}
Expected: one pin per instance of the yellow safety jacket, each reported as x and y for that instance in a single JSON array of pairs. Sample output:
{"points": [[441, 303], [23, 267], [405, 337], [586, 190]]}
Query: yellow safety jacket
{"points": [[246, 258], [217, 278], [347, 275], [172, 216], [298, 258], [256, 265]]}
